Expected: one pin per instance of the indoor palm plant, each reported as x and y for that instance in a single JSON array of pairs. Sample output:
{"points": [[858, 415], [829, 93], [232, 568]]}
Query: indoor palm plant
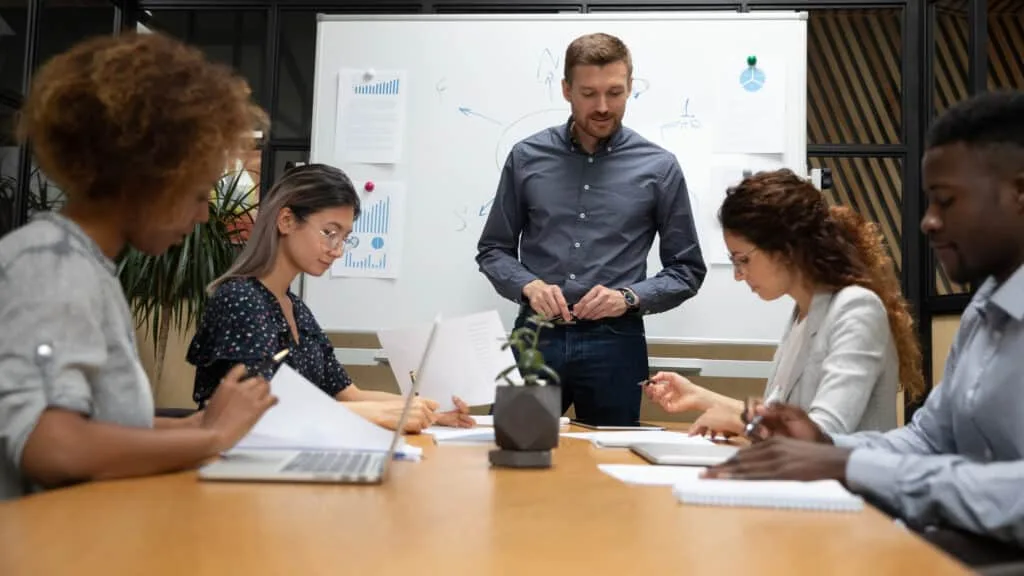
{"points": [[170, 290], [526, 413]]}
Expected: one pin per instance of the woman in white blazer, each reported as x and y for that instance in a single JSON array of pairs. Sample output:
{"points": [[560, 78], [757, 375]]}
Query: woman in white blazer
{"points": [[850, 345]]}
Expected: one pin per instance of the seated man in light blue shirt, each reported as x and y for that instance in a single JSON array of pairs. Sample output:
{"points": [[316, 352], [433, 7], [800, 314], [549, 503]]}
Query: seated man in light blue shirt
{"points": [[959, 465]]}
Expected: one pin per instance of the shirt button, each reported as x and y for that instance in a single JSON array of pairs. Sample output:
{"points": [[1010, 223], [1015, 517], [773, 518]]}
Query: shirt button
{"points": [[583, 215], [586, 186], [591, 159], [988, 454], [609, 148], [576, 245], [572, 276]]}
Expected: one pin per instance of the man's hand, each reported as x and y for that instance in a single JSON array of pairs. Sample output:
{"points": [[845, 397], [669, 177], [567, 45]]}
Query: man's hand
{"points": [[782, 458], [600, 302], [547, 300], [788, 421]]}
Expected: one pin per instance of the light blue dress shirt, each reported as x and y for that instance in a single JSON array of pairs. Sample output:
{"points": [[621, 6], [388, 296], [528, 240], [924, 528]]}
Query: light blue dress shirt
{"points": [[960, 462]]}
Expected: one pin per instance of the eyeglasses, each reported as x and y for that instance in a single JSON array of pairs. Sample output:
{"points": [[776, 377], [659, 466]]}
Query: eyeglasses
{"points": [[331, 239], [741, 261]]}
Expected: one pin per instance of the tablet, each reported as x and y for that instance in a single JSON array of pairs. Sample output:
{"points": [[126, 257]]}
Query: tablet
{"points": [[683, 454]]}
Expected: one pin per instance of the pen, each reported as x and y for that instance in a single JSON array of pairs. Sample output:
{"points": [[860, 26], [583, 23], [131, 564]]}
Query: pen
{"points": [[646, 382], [267, 364], [412, 378], [751, 426]]}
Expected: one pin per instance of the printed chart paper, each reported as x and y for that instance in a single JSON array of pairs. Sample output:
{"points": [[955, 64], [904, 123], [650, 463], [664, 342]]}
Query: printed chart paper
{"points": [[374, 249], [370, 126]]}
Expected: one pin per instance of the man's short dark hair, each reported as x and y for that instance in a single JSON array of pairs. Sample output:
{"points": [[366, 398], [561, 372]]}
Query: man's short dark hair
{"points": [[991, 118]]}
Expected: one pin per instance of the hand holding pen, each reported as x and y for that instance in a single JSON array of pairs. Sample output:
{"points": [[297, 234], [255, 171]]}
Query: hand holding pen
{"points": [[785, 420]]}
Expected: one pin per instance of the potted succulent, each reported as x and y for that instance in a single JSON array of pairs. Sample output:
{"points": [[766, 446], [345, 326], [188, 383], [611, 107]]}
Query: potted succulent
{"points": [[526, 413]]}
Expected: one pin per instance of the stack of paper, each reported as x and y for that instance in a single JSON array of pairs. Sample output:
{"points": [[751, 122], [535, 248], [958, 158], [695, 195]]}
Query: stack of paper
{"points": [[824, 495], [305, 418]]}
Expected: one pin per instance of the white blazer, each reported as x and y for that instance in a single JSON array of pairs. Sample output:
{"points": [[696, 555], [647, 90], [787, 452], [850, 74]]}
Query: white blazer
{"points": [[846, 374]]}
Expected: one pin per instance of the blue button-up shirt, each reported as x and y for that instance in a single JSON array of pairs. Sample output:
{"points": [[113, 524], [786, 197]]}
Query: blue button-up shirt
{"points": [[579, 220], [960, 462]]}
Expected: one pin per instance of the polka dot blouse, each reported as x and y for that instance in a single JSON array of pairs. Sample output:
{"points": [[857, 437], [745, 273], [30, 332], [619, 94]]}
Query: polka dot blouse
{"points": [[244, 323]]}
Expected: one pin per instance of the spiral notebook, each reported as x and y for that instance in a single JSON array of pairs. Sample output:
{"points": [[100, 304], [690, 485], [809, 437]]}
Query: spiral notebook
{"points": [[824, 495]]}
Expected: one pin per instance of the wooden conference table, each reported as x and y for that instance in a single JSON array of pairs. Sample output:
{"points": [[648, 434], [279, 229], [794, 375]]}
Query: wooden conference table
{"points": [[448, 514]]}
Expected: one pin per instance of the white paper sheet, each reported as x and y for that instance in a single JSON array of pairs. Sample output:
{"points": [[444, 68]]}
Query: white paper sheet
{"points": [[627, 439], [751, 107], [305, 418], [374, 248], [370, 124], [464, 361], [647, 475]]}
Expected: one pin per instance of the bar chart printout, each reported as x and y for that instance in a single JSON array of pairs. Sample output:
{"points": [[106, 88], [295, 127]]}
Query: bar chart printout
{"points": [[370, 125], [374, 249]]}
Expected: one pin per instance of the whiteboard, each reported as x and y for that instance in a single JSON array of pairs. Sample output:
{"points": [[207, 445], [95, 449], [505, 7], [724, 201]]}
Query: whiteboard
{"points": [[474, 85]]}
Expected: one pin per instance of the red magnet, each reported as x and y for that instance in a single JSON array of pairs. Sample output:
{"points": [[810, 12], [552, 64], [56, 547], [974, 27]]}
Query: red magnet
{"points": [[368, 186]]}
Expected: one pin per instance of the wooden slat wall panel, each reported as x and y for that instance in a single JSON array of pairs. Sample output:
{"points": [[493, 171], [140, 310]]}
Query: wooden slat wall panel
{"points": [[874, 188], [1006, 47], [853, 76]]}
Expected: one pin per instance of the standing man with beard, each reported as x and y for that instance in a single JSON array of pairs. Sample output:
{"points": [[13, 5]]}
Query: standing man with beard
{"points": [[573, 221]]}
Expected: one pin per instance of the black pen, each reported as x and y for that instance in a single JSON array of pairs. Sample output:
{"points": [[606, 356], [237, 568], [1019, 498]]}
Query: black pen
{"points": [[267, 364]]}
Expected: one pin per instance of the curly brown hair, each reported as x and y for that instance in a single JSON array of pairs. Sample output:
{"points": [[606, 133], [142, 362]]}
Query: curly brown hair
{"points": [[136, 113], [784, 214]]}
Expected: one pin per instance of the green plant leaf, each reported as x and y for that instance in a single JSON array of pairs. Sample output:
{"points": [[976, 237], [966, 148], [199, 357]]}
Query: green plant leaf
{"points": [[176, 281]]}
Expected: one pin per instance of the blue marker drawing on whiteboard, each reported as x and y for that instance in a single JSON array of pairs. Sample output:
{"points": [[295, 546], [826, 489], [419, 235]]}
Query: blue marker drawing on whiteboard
{"points": [[687, 120], [466, 111], [440, 88], [463, 223], [486, 208], [640, 85], [547, 69]]}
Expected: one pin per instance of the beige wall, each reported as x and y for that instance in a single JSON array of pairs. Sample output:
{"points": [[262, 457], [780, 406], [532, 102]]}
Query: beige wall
{"points": [[943, 330], [175, 388]]}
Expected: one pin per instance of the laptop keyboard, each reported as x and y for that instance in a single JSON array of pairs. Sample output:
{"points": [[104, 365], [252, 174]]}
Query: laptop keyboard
{"points": [[355, 464]]}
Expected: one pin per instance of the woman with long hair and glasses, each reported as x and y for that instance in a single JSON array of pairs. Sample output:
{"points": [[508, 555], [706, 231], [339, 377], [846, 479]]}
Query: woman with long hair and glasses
{"points": [[850, 345], [301, 228]]}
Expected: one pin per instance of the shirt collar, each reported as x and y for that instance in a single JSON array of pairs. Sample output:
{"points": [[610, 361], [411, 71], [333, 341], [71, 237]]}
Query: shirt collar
{"points": [[75, 231], [1009, 296], [609, 144]]}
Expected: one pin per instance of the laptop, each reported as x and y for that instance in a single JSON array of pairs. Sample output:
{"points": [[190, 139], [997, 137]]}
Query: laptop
{"points": [[328, 466], [683, 454]]}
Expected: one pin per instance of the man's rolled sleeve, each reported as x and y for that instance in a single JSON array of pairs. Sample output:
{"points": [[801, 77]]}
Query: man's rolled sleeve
{"points": [[47, 351]]}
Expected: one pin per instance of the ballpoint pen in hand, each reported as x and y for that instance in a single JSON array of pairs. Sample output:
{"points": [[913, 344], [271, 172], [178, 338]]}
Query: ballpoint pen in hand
{"points": [[267, 363], [755, 421]]}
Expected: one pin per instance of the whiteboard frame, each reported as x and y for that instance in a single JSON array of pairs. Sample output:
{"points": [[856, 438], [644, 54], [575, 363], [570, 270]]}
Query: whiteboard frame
{"points": [[793, 139]]}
